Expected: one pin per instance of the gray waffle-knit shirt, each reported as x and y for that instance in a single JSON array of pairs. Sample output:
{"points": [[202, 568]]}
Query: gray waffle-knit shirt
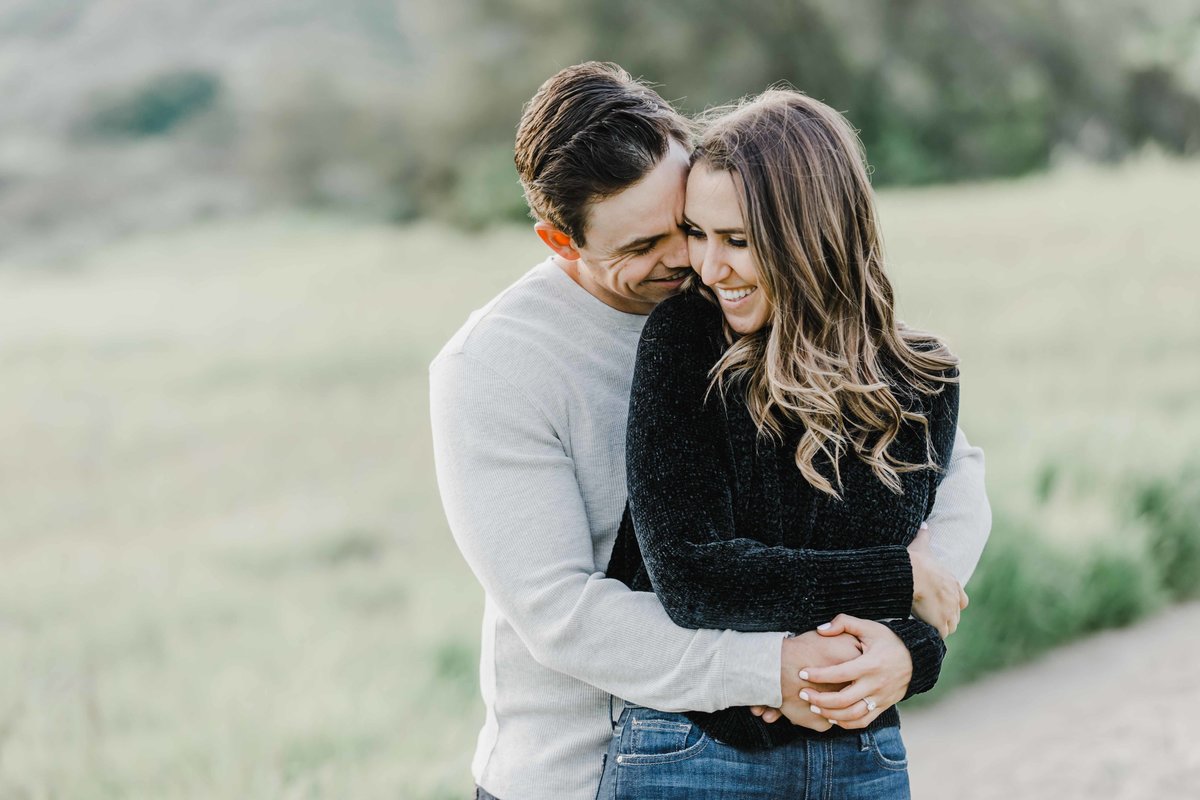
{"points": [[528, 403]]}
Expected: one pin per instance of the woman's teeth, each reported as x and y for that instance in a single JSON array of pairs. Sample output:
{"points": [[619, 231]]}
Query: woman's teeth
{"points": [[735, 294]]}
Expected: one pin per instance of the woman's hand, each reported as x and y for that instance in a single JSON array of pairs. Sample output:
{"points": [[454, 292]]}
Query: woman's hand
{"points": [[800, 653], [938, 597], [874, 681]]}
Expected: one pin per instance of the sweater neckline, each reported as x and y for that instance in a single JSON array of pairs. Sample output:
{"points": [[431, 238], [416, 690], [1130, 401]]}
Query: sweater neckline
{"points": [[593, 306]]}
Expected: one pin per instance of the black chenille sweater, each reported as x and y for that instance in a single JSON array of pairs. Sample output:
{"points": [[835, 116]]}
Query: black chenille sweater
{"points": [[730, 534]]}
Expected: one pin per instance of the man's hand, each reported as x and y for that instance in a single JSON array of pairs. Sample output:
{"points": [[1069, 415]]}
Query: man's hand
{"points": [[871, 683], [801, 653], [938, 597]]}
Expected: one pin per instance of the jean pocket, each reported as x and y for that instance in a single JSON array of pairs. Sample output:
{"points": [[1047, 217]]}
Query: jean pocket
{"points": [[657, 740], [887, 746]]}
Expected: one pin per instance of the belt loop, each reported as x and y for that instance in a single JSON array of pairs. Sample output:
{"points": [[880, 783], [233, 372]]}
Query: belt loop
{"points": [[864, 741]]}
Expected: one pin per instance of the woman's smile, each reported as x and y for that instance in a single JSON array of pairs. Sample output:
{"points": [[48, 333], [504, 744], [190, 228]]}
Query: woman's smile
{"points": [[734, 297]]}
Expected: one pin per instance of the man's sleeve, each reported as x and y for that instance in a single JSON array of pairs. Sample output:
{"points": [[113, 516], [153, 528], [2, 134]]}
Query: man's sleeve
{"points": [[961, 518], [514, 507]]}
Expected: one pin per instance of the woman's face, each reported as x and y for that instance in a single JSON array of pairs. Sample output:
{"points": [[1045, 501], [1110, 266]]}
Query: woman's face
{"points": [[719, 250]]}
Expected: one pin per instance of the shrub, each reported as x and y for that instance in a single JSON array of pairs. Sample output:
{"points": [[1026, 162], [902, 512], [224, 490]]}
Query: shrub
{"points": [[1120, 586], [456, 666], [1171, 510], [156, 106], [1030, 594], [316, 140], [487, 188], [1024, 600]]}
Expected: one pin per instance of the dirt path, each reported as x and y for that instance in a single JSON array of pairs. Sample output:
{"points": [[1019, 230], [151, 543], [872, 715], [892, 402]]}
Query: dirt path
{"points": [[1116, 717]]}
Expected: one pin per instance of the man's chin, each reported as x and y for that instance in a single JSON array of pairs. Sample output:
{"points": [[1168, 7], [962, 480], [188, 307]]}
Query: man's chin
{"points": [[658, 294]]}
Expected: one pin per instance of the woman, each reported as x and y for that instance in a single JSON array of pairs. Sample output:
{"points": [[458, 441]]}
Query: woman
{"points": [[784, 446]]}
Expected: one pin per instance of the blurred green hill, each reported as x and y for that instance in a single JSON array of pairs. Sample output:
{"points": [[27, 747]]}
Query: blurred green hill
{"points": [[135, 114]]}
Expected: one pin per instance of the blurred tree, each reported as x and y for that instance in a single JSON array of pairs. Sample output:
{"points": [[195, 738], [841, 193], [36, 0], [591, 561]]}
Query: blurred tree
{"points": [[941, 89], [400, 108]]}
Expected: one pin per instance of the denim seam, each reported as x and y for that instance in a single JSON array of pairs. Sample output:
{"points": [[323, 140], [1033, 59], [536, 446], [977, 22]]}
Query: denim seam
{"points": [[808, 755], [827, 746], [647, 759], [661, 725], [884, 761]]}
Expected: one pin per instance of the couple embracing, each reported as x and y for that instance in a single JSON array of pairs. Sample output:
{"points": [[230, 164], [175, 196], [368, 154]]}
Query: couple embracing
{"points": [[714, 490]]}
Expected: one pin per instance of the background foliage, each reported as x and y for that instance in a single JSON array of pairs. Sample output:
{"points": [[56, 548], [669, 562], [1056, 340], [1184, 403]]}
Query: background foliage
{"points": [[404, 109]]}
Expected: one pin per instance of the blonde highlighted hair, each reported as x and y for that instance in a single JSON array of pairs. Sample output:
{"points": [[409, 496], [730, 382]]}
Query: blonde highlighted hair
{"points": [[832, 356]]}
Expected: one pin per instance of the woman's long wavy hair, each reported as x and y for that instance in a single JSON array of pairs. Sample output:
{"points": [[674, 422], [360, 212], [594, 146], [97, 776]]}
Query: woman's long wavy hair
{"points": [[832, 356]]}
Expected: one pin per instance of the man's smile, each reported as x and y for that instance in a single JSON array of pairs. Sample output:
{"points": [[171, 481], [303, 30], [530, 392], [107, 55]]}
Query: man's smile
{"points": [[674, 278]]}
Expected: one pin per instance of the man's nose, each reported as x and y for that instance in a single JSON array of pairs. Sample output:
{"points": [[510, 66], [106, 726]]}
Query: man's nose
{"points": [[675, 256]]}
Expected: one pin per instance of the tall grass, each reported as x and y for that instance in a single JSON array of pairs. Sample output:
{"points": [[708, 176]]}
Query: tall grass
{"points": [[1172, 510], [1032, 593]]}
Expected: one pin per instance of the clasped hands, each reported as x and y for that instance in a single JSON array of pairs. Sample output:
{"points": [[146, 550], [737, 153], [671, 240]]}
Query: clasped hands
{"points": [[827, 675], [851, 670]]}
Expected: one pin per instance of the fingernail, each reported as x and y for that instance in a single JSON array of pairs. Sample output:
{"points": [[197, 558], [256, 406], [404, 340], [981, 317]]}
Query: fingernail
{"points": [[833, 722], [803, 674], [814, 709], [823, 627], [804, 696], [924, 526]]}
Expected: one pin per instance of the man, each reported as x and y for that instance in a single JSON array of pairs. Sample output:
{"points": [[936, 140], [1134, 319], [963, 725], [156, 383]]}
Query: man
{"points": [[529, 402]]}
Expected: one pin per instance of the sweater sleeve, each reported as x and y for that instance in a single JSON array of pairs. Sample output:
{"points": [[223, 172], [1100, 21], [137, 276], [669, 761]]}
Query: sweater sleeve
{"points": [[681, 493], [926, 648], [961, 519], [924, 643], [514, 506]]}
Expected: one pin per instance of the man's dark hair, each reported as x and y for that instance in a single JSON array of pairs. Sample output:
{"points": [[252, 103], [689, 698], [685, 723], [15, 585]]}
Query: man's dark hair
{"points": [[591, 131]]}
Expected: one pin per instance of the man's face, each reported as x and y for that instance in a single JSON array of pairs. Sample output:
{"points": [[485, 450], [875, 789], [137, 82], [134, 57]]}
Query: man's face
{"points": [[636, 253]]}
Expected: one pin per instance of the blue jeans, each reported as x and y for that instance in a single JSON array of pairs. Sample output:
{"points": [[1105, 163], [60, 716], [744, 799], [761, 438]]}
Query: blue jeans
{"points": [[655, 755]]}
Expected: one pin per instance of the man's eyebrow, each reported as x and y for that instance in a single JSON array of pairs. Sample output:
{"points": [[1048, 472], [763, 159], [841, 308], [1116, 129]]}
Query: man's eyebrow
{"points": [[638, 244]]}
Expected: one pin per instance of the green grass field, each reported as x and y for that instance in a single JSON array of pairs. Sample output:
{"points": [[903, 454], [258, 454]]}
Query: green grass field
{"points": [[226, 570]]}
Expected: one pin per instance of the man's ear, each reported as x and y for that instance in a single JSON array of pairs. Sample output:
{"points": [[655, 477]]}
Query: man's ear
{"points": [[556, 240]]}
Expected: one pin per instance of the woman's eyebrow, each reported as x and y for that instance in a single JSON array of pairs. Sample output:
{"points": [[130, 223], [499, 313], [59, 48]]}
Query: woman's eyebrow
{"points": [[687, 223]]}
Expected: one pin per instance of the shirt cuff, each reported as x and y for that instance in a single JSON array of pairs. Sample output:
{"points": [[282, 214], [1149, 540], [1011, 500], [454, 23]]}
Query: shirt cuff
{"points": [[752, 669]]}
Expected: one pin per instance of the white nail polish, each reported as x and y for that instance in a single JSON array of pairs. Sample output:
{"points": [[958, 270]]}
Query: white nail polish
{"points": [[815, 710], [804, 696], [803, 674]]}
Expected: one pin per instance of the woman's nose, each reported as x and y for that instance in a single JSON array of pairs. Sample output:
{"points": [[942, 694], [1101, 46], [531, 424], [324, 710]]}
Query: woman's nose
{"points": [[712, 266]]}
